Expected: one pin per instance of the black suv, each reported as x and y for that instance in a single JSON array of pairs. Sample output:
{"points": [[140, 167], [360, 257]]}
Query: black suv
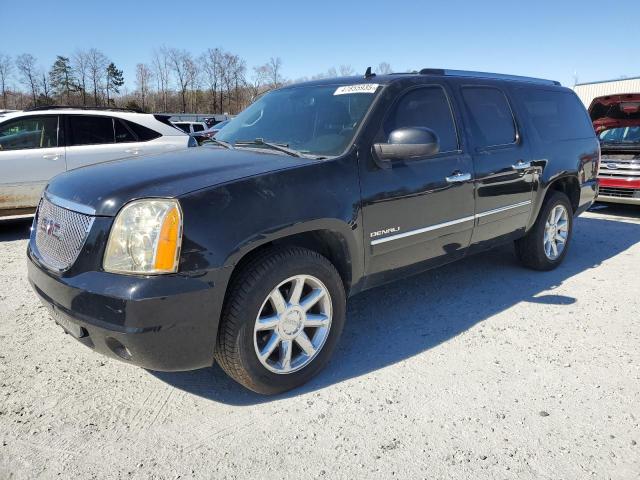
{"points": [[245, 251]]}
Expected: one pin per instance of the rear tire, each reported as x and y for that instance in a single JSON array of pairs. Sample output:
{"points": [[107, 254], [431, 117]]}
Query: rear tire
{"points": [[546, 244], [281, 320]]}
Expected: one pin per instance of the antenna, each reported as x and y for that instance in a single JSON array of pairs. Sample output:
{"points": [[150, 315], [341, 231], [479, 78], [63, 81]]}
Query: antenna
{"points": [[368, 73]]}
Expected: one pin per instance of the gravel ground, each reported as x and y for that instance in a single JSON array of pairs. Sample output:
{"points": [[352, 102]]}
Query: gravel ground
{"points": [[480, 369]]}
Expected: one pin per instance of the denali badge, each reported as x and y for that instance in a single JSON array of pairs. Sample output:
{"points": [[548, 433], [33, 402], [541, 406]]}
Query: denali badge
{"points": [[51, 228], [384, 232]]}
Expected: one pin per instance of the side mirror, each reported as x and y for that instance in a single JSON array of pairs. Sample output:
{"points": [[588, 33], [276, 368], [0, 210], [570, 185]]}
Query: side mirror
{"points": [[407, 144]]}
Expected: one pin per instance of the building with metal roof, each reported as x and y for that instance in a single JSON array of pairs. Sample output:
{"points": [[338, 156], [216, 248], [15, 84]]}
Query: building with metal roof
{"points": [[590, 90]]}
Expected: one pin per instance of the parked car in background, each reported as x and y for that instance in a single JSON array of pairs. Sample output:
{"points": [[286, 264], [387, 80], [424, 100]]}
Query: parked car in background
{"points": [[209, 132], [616, 120], [247, 250], [191, 127], [37, 144]]}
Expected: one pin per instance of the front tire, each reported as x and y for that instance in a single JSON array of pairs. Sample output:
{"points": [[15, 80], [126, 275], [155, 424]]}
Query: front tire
{"points": [[282, 319], [545, 245]]}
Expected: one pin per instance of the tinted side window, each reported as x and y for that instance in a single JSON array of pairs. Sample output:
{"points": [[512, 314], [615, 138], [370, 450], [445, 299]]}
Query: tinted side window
{"points": [[556, 115], [491, 120], [183, 126], [425, 107], [123, 134], [197, 127], [29, 132], [144, 134], [88, 130]]}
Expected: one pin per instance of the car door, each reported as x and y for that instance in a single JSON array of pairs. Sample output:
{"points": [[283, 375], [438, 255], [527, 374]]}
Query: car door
{"points": [[30, 155], [502, 162], [92, 139], [418, 213]]}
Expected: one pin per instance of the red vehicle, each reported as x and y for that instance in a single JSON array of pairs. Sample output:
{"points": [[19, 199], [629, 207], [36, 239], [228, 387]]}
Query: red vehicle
{"points": [[616, 119]]}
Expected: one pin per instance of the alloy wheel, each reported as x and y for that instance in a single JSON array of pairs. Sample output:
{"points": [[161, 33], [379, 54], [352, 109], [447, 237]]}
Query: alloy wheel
{"points": [[556, 232], [293, 324]]}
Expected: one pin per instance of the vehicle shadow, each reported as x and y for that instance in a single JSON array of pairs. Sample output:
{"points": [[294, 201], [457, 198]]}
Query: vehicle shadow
{"points": [[392, 323], [616, 210], [15, 229]]}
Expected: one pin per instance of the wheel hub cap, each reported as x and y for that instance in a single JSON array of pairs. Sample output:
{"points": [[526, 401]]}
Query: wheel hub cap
{"points": [[291, 323]]}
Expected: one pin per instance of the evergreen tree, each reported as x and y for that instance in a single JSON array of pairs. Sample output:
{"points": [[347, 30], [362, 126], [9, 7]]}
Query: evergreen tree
{"points": [[115, 80], [61, 78]]}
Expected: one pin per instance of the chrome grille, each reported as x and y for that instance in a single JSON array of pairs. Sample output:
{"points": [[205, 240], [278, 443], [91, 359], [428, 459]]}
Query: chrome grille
{"points": [[60, 234], [617, 167]]}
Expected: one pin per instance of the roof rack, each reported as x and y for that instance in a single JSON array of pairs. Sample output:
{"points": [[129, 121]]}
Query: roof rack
{"points": [[58, 107], [496, 76]]}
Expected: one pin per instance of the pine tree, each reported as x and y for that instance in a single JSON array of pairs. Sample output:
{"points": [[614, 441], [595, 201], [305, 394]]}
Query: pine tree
{"points": [[115, 80], [61, 78]]}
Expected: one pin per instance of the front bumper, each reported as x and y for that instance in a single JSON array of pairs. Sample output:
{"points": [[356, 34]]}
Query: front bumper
{"points": [[165, 322], [625, 190]]}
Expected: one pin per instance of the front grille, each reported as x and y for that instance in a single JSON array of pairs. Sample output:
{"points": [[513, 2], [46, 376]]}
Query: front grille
{"points": [[617, 192], [60, 234], [619, 167]]}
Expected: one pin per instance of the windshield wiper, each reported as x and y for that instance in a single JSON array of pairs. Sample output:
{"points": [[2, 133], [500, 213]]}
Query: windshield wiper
{"points": [[220, 142], [284, 148]]}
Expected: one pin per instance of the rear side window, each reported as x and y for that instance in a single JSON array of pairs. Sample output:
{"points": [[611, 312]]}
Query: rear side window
{"points": [[425, 107], [183, 126], [88, 130], [556, 115], [144, 134], [490, 116], [197, 127], [123, 133], [29, 132]]}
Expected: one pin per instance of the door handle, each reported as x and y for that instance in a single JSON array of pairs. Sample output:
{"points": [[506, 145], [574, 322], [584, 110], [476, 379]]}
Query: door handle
{"points": [[51, 156], [134, 151], [520, 165], [458, 177]]}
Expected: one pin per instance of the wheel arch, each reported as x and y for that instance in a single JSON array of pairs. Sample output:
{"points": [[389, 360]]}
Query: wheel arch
{"points": [[334, 240]]}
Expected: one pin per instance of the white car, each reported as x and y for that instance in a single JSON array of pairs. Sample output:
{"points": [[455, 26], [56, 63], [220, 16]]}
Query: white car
{"points": [[37, 144], [190, 127]]}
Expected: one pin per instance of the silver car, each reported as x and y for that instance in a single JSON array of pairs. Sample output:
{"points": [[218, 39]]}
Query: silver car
{"points": [[36, 145]]}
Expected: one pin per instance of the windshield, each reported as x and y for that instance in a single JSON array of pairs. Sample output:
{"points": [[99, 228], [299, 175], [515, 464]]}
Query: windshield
{"points": [[621, 135], [315, 120]]}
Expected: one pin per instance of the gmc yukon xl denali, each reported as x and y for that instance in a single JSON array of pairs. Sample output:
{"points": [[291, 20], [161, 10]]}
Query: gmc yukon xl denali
{"points": [[244, 252]]}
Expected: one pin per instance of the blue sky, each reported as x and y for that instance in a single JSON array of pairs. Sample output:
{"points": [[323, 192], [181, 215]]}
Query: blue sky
{"points": [[550, 39]]}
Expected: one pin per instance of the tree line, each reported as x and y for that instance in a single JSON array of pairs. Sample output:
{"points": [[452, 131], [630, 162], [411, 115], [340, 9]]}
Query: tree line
{"points": [[175, 80]]}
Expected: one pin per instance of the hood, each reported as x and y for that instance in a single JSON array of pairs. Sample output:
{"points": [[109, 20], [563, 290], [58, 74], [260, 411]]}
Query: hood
{"points": [[613, 111], [106, 187]]}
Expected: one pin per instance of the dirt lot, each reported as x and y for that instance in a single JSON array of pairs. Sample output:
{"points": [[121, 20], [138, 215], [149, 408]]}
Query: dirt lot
{"points": [[478, 370]]}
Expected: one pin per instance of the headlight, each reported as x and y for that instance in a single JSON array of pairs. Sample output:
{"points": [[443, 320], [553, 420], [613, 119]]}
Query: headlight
{"points": [[145, 238]]}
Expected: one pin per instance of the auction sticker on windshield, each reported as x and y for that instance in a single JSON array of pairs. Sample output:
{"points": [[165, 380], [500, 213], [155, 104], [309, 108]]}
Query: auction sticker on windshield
{"points": [[360, 88]]}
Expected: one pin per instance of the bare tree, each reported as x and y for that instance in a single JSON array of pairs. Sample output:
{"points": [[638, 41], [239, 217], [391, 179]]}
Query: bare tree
{"points": [[6, 68], [143, 82], [192, 74], [44, 83], [384, 69], [212, 71], [346, 70], [179, 62], [161, 67], [26, 64], [258, 83], [97, 64], [274, 67], [80, 63]]}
